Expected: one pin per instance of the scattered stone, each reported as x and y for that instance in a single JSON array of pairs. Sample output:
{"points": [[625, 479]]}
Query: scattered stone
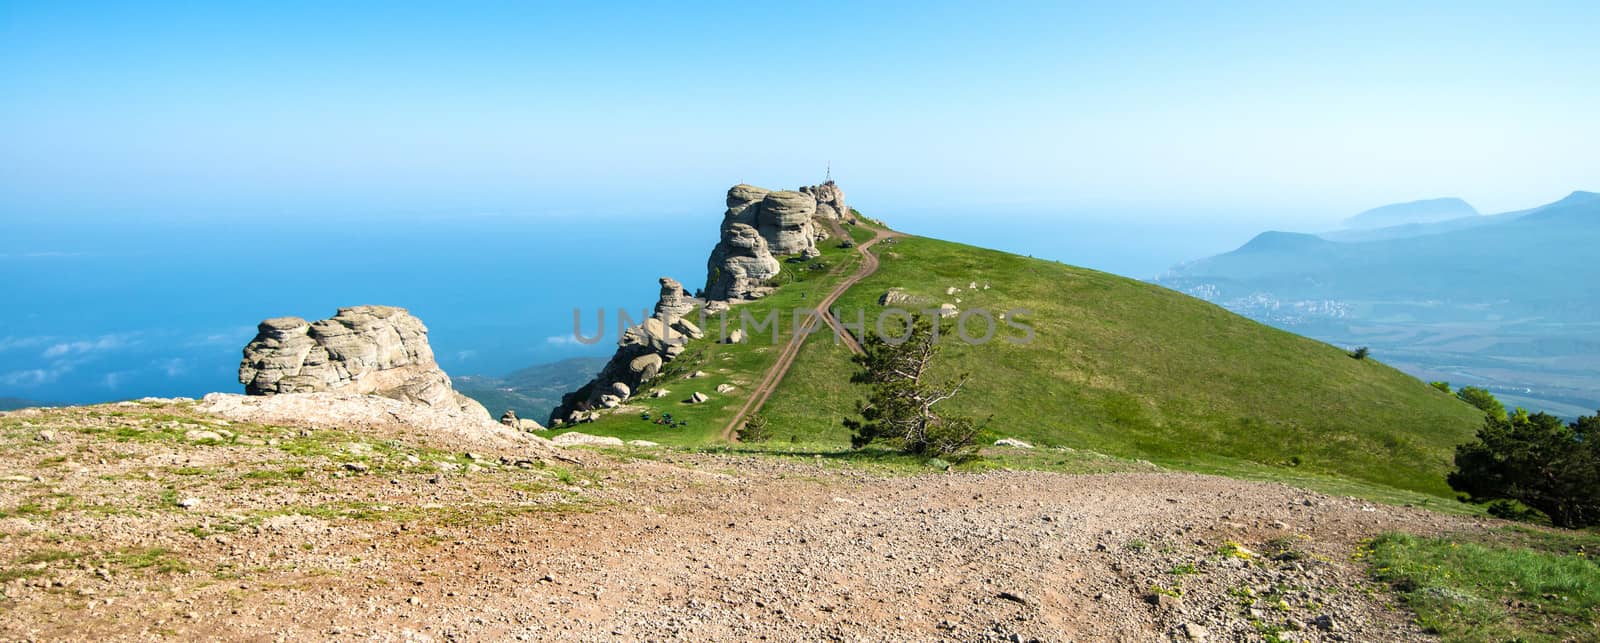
{"points": [[200, 435], [1016, 597], [735, 336], [1195, 632], [643, 443], [660, 393], [358, 467], [725, 388], [189, 503], [1013, 443], [46, 436], [698, 398], [575, 438], [697, 375]]}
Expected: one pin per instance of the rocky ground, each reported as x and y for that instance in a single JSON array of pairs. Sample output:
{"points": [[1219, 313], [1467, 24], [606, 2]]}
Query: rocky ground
{"points": [[155, 519]]}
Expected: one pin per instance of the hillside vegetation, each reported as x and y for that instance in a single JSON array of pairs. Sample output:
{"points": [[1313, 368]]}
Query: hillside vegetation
{"points": [[1117, 366]]}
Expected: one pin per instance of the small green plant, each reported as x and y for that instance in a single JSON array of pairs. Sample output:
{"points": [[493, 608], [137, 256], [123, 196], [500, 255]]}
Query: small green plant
{"points": [[1443, 386], [1183, 569], [756, 429], [1360, 353]]}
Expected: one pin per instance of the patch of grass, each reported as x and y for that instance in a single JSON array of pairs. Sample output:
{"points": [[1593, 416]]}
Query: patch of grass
{"points": [[1183, 569], [1473, 588], [285, 473], [151, 558]]}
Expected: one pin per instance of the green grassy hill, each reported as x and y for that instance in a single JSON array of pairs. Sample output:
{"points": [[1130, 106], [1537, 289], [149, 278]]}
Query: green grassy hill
{"points": [[1117, 366]]}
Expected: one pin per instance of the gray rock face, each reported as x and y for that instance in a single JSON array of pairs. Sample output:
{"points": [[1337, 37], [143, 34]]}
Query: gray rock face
{"points": [[740, 265], [674, 302], [785, 222], [830, 200], [373, 350], [758, 227]]}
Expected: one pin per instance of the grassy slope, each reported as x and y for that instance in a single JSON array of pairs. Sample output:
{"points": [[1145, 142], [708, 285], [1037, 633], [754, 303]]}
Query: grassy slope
{"points": [[1123, 367], [1118, 366]]}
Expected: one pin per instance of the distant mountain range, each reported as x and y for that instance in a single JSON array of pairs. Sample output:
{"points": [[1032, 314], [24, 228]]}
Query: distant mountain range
{"points": [[14, 403], [1426, 211], [1509, 300], [532, 392]]}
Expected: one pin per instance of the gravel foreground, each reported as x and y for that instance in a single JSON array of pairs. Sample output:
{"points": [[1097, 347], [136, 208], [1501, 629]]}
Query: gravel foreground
{"points": [[155, 521]]}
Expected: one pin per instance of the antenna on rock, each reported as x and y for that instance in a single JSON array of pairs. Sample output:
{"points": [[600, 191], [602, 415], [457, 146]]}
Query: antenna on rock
{"points": [[829, 175]]}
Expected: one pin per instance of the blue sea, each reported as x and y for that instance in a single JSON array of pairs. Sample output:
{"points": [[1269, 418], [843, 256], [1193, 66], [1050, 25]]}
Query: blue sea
{"points": [[161, 306]]}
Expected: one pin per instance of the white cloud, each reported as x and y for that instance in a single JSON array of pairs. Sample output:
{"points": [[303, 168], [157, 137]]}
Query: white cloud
{"points": [[10, 342], [81, 347], [562, 340], [462, 356], [173, 367], [35, 376]]}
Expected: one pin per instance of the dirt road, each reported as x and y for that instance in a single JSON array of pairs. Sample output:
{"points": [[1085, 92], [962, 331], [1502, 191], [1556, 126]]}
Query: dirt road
{"points": [[774, 375], [677, 546]]}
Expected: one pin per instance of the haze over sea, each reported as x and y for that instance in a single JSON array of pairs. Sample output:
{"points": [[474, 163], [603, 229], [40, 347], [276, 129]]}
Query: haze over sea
{"points": [[176, 299]]}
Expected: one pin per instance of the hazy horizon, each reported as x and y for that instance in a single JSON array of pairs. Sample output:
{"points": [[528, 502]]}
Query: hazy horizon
{"points": [[299, 109]]}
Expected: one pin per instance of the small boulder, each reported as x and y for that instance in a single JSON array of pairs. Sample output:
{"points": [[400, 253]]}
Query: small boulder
{"points": [[580, 439], [201, 435], [698, 398], [1013, 443]]}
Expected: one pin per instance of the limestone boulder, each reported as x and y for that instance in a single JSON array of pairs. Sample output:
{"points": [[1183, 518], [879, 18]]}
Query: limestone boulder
{"points": [[740, 265], [374, 350]]}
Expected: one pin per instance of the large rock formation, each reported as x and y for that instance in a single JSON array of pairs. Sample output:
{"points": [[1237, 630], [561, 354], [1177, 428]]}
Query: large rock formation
{"points": [[740, 265], [758, 227], [374, 350], [830, 200]]}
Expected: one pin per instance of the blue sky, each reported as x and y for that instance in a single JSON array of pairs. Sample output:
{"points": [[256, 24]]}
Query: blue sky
{"points": [[1270, 109]]}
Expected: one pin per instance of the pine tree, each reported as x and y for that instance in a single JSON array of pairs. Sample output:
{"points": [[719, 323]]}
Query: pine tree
{"points": [[901, 408]]}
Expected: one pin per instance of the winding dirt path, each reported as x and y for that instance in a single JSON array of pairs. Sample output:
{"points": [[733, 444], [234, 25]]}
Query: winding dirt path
{"points": [[774, 375]]}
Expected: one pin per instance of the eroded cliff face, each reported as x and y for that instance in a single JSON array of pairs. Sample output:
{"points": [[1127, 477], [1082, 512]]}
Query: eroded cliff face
{"points": [[371, 350]]}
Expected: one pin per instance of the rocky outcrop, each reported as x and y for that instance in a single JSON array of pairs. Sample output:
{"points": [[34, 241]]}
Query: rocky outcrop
{"points": [[740, 265], [371, 350], [785, 222], [830, 200], [758, 227], [674, 302], [640, 355]]}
